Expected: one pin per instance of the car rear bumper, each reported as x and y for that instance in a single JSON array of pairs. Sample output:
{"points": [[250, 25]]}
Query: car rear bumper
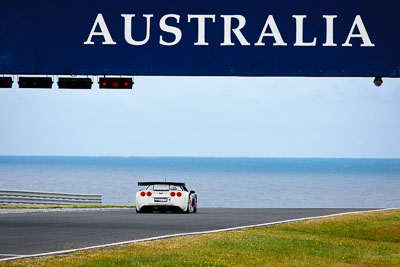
{"points": [[161, 208], [172, 203]]}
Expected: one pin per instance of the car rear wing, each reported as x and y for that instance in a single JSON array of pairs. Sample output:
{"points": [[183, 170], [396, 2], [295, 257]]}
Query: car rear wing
{"points": [[169, 183]]}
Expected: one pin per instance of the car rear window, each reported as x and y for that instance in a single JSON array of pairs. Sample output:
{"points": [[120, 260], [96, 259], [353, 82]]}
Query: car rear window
{"points": [[164, 187], [161, 187]]}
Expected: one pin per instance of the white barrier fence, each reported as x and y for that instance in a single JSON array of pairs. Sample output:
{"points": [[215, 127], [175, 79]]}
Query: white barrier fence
{"points": [[17, 197]]}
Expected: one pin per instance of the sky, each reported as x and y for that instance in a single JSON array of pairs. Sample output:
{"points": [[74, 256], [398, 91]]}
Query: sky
{"points": [[207, 117]]}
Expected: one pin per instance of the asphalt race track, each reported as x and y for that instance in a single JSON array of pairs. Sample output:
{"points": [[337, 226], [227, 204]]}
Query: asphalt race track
{"points": [[40, 232]]}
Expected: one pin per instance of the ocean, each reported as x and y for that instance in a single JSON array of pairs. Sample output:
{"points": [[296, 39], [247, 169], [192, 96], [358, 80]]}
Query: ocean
{"points": [[219, 182]]}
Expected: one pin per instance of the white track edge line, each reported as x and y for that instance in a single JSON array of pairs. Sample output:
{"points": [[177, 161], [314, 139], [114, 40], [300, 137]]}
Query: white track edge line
{"points": [[189, 234], [11, 255], [5, 259]]}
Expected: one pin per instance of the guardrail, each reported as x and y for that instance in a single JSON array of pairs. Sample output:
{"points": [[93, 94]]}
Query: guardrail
{"points": [[17, 197]]}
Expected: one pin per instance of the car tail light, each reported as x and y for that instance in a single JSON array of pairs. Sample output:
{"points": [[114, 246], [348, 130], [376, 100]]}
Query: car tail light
{"points": [[179, 194], [142, 194], [172, 194], [149, 194]]}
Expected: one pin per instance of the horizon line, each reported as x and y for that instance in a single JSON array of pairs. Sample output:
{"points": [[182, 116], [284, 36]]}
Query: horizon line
{"points": [[228, 157]]}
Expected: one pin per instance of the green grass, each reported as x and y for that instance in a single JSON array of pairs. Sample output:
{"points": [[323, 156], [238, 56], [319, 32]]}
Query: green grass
{"points": [[62, 206], [366, 239]]}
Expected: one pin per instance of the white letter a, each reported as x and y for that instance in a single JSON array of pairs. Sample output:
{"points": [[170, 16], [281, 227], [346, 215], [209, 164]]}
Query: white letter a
{"points": [[103, 32], [363, 33], [274, 33]]}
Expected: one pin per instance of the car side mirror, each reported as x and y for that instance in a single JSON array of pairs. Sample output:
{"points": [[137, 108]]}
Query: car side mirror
{"points": [[192, 192]]}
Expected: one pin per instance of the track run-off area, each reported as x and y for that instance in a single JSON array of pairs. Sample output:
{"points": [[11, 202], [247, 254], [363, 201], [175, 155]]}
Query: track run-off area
{"points": [[40, 232]]}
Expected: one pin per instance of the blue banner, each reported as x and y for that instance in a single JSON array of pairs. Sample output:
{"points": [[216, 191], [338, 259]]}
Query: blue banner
{"points": [[343, 38]]}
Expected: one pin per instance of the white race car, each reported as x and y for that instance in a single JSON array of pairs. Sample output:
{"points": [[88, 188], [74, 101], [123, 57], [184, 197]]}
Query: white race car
{"points": [[165, 196]]}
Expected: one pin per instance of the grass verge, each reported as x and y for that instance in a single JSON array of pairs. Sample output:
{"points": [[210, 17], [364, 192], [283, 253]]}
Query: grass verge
{"points": [[62, 206], [365, 239]]}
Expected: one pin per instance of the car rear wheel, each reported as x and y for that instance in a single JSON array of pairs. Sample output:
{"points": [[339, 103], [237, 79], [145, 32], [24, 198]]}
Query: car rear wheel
{"points": [[195, 206], [192, 205]]}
